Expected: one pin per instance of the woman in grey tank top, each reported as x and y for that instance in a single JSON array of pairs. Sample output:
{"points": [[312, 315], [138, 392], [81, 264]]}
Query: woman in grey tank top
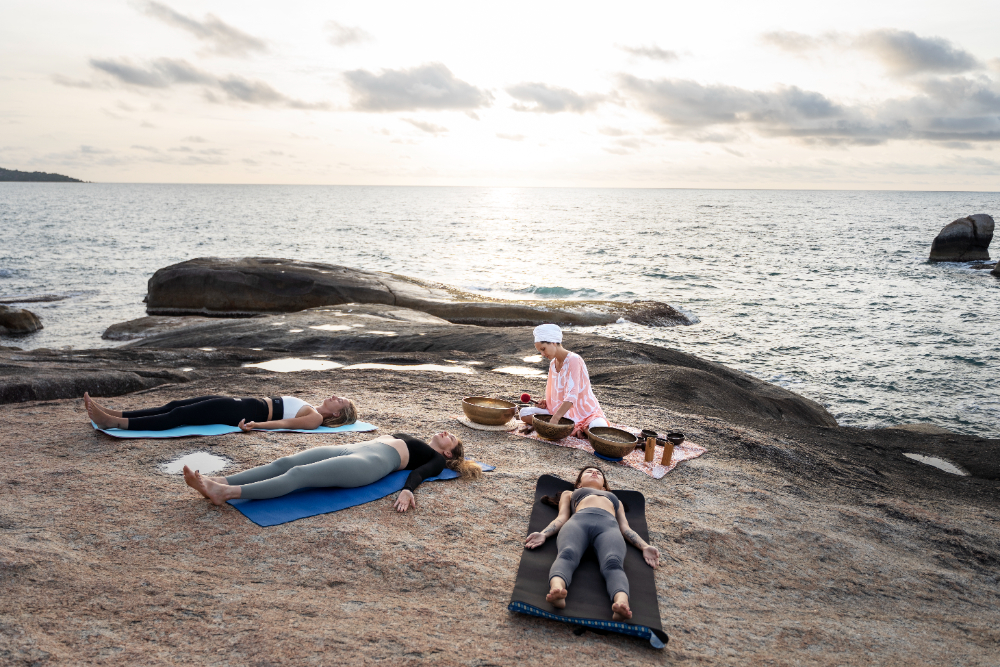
{"points": [[598, 518]]}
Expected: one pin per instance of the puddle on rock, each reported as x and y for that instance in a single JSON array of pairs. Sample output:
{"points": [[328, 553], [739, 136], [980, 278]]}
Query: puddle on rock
{"points": [[940, 464], [414, 367], [207, 349], [294, 364], [533, 359], [207, 463], [331, 327], [520, 370], [382, 333], [187, 369], [295, 330]]}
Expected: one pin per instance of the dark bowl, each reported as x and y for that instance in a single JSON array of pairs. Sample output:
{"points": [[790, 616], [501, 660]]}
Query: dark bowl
{"points": [[552, 431], [675, 438]]}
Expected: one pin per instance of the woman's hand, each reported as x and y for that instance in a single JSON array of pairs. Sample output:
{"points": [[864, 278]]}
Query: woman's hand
{"points": [[405, 501], [541, 404], [246, 426], [534, 540], [652, 556]]}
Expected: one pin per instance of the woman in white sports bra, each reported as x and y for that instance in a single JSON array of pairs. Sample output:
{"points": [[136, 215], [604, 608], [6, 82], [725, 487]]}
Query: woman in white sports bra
{"points": [[247, 413]]}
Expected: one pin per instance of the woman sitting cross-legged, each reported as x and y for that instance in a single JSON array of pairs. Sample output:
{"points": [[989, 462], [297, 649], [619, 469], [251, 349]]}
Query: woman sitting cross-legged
{"points": [[247, 413], [598, 519], [349, 466]]}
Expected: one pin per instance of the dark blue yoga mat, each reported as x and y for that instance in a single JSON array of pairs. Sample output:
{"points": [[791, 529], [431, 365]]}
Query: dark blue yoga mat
{"points": [[310, 502]]}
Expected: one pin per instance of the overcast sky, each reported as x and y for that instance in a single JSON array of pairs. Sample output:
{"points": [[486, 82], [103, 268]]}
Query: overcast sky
{"points": [[773, 94]]}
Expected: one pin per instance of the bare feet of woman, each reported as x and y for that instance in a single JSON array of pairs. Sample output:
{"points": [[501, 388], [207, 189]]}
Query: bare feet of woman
{"points": [[214, 491], [101, 419], [620, 609], [108, 411], [557, 596]]}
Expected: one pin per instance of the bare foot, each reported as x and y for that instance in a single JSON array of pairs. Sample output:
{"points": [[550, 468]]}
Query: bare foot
{"points": [[557, 597], [214, 491], [108, 411], [102, 420], [620, 609]]}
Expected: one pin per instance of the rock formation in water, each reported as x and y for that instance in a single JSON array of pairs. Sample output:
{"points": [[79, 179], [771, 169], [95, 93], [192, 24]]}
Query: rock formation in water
{"points": [[252, 285], [36, 176], [964, 240], [18, 321]]}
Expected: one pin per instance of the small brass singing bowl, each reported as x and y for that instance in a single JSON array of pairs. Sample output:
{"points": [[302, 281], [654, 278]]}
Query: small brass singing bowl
{"points": [[488, 411], [552, 431]]}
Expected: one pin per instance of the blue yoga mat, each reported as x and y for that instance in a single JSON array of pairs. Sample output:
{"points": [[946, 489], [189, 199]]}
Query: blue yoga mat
{"points": [[222, 429], [310, 502]]}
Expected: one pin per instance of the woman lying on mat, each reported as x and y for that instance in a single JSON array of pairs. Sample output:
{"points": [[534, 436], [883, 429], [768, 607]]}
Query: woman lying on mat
{"points": [[349, 466], [599, 520], [567, 391], [247, 413]]}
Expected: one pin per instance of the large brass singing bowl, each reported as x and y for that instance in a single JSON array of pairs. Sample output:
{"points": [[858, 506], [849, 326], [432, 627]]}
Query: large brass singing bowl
{"points": [[552, 431], [611, 442], [488, 411]]}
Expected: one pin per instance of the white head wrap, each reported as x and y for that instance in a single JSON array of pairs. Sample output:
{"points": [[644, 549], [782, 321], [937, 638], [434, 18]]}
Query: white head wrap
{"points": [[548, 333]]}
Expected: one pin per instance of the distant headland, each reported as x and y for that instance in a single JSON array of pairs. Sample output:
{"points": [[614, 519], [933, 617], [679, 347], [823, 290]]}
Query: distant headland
{"points": [[14, 175]]}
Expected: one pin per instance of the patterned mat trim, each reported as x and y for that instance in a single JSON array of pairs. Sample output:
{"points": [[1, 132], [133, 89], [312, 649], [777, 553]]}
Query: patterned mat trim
{"points": [[640, 631], [464, 421], [636, 460]]}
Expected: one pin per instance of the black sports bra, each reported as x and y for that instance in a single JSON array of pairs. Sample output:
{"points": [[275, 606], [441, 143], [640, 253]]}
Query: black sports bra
{"points": [[580, 494]]}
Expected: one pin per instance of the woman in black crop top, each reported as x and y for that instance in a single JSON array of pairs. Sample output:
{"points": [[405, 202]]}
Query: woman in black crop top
{"points": [[348, 466], [598, 519]]}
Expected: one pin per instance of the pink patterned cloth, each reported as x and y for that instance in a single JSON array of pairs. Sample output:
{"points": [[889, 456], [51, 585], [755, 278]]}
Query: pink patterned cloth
{"points": [[572, 383], [636, 460]]}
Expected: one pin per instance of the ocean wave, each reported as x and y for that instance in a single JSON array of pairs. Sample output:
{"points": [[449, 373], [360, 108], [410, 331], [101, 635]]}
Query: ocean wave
{"points": [[557, 292]]}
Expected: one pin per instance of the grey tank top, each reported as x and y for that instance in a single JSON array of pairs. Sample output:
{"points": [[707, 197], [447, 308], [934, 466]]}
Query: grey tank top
{"points": [[580, 494]]}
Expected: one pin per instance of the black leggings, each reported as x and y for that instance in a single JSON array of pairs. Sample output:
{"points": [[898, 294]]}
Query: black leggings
{"points": [[197, 412], [598, 527]]}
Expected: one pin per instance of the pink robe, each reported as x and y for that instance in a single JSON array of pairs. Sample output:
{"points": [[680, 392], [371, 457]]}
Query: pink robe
{"points": [[572, 383]]}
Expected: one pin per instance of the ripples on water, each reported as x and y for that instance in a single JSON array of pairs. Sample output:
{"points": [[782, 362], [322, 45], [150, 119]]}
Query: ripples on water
{"points": [[826, 293]]}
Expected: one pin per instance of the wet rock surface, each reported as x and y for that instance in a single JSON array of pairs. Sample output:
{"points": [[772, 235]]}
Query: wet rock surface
{"points": [[964, 240], [785, 544], [239, 287], [18, 320]]}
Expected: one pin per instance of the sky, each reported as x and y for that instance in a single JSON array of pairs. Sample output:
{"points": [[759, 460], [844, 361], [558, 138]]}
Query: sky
{"points": [[769, 94]]}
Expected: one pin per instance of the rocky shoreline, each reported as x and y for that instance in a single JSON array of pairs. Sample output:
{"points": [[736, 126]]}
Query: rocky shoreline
{"points": [[792, 541]]}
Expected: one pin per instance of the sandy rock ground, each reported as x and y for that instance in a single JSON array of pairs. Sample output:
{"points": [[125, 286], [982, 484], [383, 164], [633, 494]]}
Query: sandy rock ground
{"points": [[798, 545]]}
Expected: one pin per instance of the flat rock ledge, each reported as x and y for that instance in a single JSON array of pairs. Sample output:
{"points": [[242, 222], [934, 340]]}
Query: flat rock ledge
{"points": [[228, 287]]}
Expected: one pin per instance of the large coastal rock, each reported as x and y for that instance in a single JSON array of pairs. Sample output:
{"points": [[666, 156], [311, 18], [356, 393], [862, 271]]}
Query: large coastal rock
{"points": [[18, 321], [252, 285], [965, 240]]}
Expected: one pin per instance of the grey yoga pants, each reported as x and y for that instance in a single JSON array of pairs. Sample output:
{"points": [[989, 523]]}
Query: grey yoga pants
{"points": [[597, 526], [345, 466]]}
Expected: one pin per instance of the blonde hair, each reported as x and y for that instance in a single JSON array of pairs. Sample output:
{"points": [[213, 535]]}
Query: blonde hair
{"points": [[348, 415], [457, 462]]}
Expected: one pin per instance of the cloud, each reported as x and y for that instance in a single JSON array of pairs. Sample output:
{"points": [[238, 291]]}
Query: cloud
{"points": [[345, 35], [543, 98], [195, 139], [164, 73], [61, 80], [904, 53], [430, 128], [510, 137], [652, 52], [963, 109], [431, 86], [222, 38], [612, 131]]}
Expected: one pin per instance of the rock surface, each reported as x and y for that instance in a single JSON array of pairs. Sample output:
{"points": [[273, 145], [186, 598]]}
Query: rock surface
{"points": [[996, 270], [785, 544], [680, 380], [18, 321], [150, 326], [239, 287], [964, 240]]}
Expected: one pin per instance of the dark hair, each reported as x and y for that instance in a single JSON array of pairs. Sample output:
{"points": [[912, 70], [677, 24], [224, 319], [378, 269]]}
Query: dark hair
{"points": [[554, 500]]}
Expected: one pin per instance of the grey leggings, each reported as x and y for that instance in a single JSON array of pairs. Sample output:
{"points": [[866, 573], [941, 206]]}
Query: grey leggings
{"points": [[597, 526], [345, 466]]}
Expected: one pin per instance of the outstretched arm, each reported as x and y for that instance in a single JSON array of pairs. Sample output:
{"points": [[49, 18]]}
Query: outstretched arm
{"points": [[649, 553], [538, 539], [307, 421]]}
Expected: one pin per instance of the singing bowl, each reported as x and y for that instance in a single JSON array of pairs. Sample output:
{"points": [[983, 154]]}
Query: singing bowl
{"points": [[611, 442], [488, 411], [552, 431]]}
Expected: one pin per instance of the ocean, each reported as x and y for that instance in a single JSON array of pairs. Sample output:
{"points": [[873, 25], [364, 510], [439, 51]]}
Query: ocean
{"points": [[826, 293]]}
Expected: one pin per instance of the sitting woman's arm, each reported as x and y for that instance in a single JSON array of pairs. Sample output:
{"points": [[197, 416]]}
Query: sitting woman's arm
{"points": [[649, 553], [308, 421], [538, 539]]}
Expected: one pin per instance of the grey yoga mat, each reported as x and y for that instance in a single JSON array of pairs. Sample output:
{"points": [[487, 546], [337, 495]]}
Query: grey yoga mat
{"points": [[588, 604]]}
